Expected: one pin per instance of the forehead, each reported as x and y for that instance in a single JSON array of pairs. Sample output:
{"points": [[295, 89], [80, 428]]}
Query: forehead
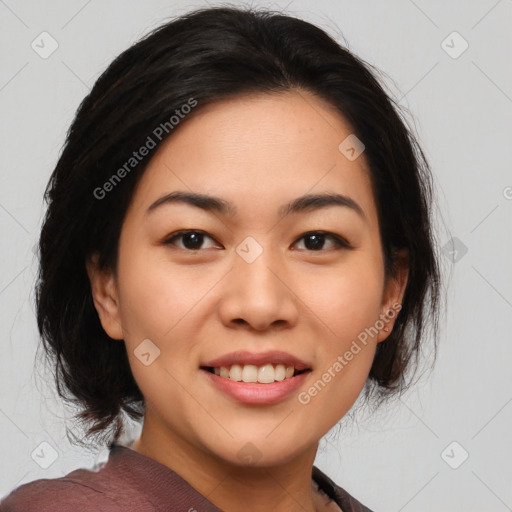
{"points": [[268, 146]]}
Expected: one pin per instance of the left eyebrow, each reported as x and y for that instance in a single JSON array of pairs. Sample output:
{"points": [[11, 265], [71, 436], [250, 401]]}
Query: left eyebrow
{"points": [[316, 201], [301, 204]]}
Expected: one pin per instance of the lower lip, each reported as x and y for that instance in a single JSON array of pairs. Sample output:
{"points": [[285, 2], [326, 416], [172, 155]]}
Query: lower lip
{"points": [[256, 393]]}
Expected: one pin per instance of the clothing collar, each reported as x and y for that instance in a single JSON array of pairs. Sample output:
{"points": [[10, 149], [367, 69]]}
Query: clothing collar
{"points": [[163, 485]]}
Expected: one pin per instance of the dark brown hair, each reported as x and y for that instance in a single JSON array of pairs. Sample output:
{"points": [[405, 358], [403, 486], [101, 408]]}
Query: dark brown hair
{"points": [[209, 55]]}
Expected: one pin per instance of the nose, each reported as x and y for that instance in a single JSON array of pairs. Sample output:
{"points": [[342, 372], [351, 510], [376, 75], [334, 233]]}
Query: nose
{"points": [[258, 295]]}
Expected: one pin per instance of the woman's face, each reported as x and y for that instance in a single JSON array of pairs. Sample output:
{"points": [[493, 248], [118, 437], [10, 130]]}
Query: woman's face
{"points": [[251, 277]]}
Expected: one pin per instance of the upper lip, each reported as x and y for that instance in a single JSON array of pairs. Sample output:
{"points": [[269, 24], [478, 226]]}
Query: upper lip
{"points": [[257, 359]]}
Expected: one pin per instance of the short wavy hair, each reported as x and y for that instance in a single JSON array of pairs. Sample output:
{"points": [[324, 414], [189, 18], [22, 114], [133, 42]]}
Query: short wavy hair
{"points": [[209, 55]]}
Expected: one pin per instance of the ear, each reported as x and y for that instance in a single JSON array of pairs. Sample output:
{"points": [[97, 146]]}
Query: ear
{"points": [[105, 298], [394, 290]]}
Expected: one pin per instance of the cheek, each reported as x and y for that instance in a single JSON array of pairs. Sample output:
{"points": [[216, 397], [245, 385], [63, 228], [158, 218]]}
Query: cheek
{"points": [[154, 296], [346, 305], [347, 301], [156, 304], [161, 303]]}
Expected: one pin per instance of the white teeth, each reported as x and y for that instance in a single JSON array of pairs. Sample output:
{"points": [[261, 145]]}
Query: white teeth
{"points": [[265, 374], [250, 373], [235, 373], [280, 372]]}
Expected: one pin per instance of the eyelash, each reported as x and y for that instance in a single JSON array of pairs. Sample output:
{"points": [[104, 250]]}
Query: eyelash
{"points": [[339, 242]]}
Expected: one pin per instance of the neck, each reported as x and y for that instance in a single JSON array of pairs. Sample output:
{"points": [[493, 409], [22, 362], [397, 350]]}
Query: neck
{"points": [[287, 487]]}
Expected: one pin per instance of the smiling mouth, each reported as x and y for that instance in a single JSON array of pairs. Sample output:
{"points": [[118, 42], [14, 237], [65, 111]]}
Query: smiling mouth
{"points": [[266, 374]]}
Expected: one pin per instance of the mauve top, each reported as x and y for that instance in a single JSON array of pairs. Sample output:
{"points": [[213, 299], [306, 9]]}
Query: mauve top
{"points": [[129, 481]]}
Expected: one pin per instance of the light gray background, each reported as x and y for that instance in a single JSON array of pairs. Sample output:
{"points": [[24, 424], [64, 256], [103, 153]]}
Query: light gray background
{"points": [[462, 112]]}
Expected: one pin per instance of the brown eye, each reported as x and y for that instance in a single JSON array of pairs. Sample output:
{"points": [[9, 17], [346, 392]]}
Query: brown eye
{"points": [[316, 241], [191, 239]]}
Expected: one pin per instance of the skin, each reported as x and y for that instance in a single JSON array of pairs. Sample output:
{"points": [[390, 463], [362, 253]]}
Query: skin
{"points": [[257, 152]]}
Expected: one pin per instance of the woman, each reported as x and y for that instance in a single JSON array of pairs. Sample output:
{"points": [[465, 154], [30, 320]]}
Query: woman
{"points": [[238, 242]]}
